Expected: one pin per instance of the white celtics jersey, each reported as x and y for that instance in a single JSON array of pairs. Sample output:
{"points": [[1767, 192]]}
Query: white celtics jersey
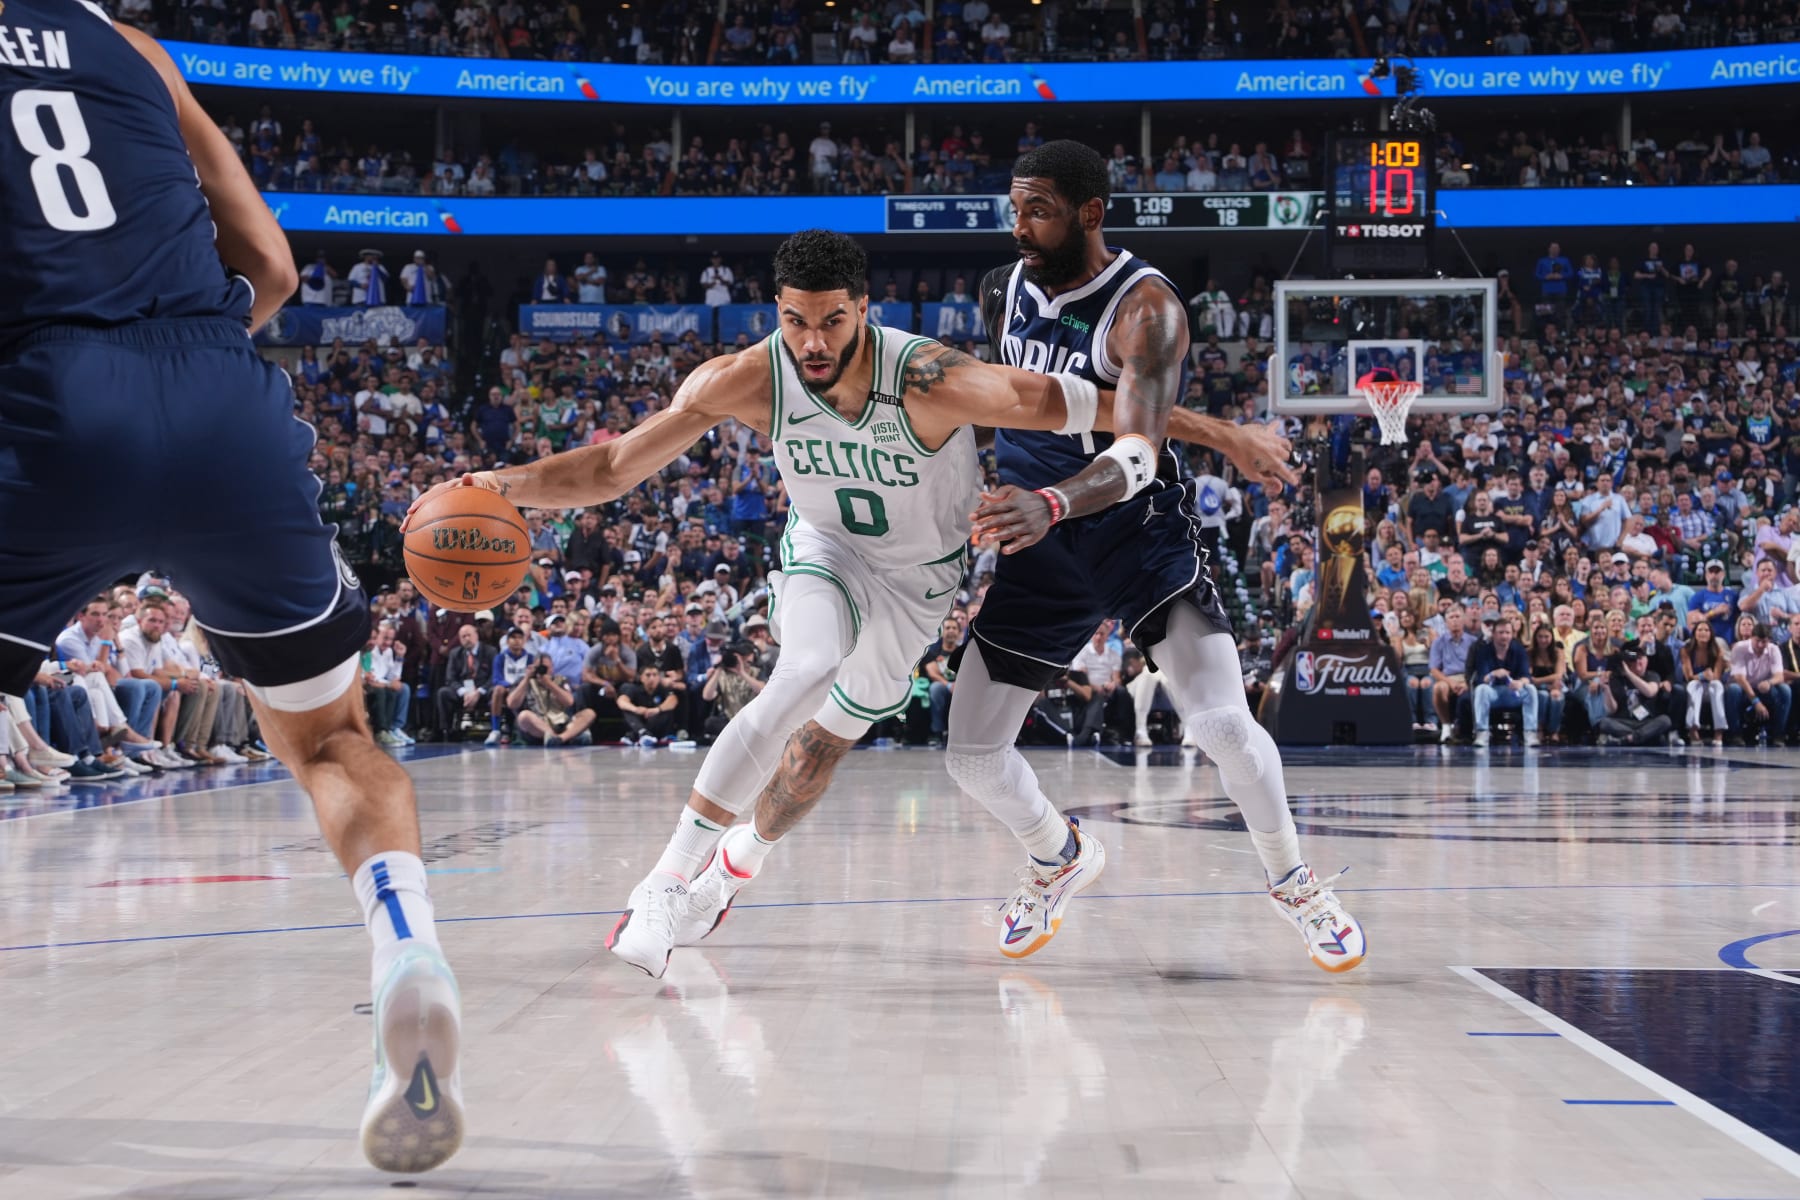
{"points": [[871, 483]]}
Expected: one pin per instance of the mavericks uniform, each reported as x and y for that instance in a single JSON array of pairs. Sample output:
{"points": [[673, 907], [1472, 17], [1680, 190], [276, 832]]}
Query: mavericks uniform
{"points": [[1130, 561], [875, 513], [138, 426]]}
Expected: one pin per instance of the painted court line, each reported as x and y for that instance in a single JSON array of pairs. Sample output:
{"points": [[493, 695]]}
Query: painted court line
{"points": [[1737, 954], [1726, 1124], [1527, 1033], [613, 912], [1628, 1103]]}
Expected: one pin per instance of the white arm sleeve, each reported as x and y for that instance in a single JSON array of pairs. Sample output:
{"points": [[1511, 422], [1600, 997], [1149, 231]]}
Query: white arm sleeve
{"points": [[1082, 399]]}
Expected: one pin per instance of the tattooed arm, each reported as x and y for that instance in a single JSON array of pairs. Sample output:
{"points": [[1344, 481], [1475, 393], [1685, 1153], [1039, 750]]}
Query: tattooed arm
{"points": [[1149, 341], [734, 385], [946, 389]]}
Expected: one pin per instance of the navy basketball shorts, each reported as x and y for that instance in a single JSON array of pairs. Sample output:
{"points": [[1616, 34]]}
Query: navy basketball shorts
{"points": [[1132, 562], [167, 445]]}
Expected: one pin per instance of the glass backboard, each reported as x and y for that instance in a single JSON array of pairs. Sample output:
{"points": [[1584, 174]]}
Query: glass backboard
{"points": [[1329, 333]]}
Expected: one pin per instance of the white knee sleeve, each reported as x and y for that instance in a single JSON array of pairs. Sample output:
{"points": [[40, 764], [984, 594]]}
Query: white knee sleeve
{"points": [[312, 693], [982, 775], [1225, 735]]}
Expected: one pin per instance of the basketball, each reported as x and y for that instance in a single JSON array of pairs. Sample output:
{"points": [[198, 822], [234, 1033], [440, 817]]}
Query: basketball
{"points": [[467, 548]]}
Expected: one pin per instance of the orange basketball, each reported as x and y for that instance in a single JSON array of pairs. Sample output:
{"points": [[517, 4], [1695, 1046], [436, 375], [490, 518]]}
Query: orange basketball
{"points": [[467, 549]]}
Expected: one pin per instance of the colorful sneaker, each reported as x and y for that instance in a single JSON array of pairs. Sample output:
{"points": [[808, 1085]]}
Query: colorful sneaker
{"points": [[645, 934], [1332, 936], [714, 889], [1037, 908], [414, 1119]]}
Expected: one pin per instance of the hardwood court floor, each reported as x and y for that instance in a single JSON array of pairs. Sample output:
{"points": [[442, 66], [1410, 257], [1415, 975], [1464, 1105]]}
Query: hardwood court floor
{"points": [[1580, 985]]}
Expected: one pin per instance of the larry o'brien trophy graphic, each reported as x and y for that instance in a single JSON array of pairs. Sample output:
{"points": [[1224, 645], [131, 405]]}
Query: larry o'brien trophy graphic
{"points": [[1339, 683]]}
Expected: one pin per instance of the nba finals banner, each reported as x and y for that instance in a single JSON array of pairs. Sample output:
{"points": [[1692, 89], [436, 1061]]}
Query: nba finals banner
{"points": [[1339, 682]]}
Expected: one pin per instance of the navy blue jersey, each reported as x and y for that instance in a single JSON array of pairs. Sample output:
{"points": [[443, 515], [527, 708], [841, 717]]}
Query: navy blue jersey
{"points": [[101, 216], [1061, 335]]}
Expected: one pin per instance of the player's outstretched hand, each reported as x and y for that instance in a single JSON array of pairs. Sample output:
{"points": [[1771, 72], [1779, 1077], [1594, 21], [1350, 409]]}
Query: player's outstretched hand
{"points": [[472, 479], [1014, 516], [1261, 455]]}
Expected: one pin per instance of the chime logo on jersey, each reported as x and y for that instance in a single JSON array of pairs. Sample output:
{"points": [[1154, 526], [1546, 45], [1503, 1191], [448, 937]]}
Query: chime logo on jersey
{"points": [[1029, 354]]}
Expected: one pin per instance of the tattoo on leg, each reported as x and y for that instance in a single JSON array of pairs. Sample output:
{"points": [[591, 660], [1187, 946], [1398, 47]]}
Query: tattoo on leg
{"points": [[807, 764]]}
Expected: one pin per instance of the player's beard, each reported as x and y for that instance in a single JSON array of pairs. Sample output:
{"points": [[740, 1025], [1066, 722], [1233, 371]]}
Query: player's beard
{"points": [[1058, 264], [843, 364]]}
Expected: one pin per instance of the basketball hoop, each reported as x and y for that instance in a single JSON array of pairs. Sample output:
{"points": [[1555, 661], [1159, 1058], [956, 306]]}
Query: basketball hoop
{"points": [[1391, 400]]}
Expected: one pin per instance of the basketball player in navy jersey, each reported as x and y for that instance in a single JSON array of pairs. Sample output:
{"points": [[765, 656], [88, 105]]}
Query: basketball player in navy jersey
{"points": [[1096, 526], [135, 257]]}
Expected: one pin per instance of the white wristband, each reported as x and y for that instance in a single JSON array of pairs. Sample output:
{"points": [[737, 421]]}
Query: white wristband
{"points": [[1082, 399], [1137, 458]]}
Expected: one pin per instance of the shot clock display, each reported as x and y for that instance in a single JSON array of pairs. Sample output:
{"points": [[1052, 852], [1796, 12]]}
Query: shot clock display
{"points": [[1380, 194]]}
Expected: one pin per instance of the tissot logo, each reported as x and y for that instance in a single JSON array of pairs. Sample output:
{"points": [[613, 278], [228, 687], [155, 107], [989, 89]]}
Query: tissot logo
{"points": [[1382, 231]]}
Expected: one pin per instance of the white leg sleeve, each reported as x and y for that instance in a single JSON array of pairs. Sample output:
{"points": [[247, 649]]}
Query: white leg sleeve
{"points": [[985, 717], [1200, 666], [817, 635]]}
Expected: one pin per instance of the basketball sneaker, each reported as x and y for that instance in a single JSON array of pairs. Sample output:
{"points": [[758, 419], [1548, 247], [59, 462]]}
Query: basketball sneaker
{"points": [[653, 916], [1037, 908], [414, 1118], [1333, 938], [714, 889]]}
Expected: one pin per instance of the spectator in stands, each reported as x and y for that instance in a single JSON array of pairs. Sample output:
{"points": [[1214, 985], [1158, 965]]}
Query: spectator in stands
{"points": [[369, 282], [717, 279], [315, 281], [468, 675], [590, 280], [1756, 691], [649, 706], [388, 697], [1449, 662], [551, 287], [901, 48], [122, 706], [1703, 665], [1501, 671], [419, 282], [546, 708]]}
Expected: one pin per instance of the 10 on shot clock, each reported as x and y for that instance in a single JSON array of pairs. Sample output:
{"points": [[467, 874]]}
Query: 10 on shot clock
{"points": [[1379, 188]]}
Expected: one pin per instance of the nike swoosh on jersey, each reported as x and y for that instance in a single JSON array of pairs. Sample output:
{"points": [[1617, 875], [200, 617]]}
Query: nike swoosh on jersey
{"points": [[944, 592], [797, 418]]}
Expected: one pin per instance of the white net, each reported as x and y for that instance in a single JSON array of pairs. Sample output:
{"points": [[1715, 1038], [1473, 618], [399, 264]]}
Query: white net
{"points": [[1391, 401]]}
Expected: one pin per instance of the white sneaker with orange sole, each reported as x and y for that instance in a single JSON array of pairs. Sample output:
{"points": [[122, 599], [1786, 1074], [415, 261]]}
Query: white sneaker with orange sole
{"points": [[1333, 938], [1037, 908]]}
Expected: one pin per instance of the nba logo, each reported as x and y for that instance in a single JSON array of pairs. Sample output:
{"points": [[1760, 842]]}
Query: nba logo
{"points": [[1303, 671]]}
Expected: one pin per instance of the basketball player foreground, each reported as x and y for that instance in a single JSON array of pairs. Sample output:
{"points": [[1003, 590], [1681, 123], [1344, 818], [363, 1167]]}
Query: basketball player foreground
{"points": [[871, 433], [126, 374], [1093, 526]]}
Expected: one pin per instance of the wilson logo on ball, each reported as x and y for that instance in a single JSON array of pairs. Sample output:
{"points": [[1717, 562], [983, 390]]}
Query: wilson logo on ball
{"points": [[443, 538]]}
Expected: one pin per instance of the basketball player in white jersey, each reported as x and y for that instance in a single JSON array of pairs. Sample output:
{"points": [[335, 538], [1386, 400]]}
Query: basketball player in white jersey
{"points": [[871, 434]]}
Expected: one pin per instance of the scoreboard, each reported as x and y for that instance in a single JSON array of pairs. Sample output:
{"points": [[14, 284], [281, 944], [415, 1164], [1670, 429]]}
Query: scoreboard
{"points": [[1381, 203], [1214, 210], [1164, 212]]}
